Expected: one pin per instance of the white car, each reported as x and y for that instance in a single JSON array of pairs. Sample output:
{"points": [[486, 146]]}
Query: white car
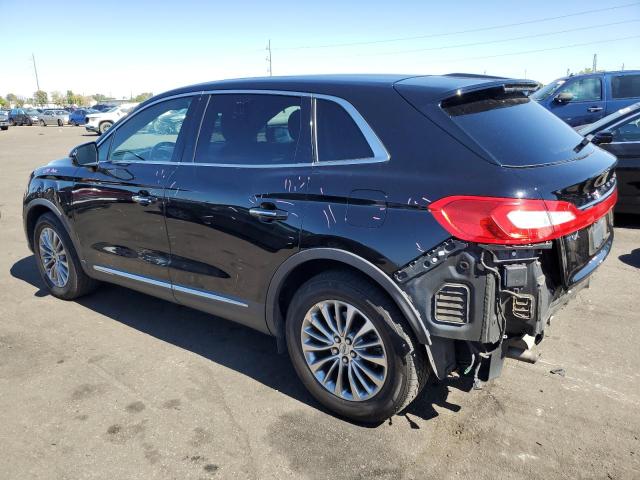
{"points": [[101, 122]]}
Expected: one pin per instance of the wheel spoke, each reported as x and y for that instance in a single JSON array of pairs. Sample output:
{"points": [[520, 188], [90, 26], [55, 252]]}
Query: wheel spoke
{"points": [[317, 365], [320, 338], [352, 384], [377, 359], [337, 389], [318, 324], [375, 378], [308, 347], [363, 345], [326, 378], [329, 320], [363, 382]]}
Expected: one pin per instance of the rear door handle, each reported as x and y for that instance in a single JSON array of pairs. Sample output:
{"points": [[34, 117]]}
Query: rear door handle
{"points": [[268, 214], [594, 109], [144, 200]]}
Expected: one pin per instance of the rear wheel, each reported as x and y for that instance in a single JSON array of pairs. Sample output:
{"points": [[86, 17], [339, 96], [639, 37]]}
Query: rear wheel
{"points": [[104, 126], [43, 123], [4, 128], [58, 261], [60, 123], [352, 348]]}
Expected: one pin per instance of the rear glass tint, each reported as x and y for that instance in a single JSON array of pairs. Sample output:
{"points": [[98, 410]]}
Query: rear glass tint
{"points": [[625, 86], [515, 130], [339, 138]]}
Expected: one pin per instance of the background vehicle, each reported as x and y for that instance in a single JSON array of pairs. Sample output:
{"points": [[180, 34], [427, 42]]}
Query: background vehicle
{"points": [[78, 117], [23, 116], [102, 107], [102, 121], [54, 117], [619, 133], [584, 99], [353, 238], [4, 119]]}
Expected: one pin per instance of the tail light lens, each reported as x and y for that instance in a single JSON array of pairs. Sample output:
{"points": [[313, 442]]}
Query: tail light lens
{"points": [[514, 221]]}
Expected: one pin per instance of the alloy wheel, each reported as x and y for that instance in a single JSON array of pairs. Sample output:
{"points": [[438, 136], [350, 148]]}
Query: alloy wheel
{"points": [[53, 257], [344, 350]]}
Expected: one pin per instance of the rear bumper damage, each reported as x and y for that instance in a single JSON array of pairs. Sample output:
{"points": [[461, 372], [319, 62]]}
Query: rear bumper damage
{"points": [[484, 303]]}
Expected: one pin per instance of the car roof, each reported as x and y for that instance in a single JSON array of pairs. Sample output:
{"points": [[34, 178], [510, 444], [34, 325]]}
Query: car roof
{"points": [[335, 84]]}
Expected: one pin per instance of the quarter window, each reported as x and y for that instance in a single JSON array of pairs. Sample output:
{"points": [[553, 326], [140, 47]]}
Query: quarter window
{"points": [[251, 129], [625, 86], [152, 134], [584, 89], [339, 138]]}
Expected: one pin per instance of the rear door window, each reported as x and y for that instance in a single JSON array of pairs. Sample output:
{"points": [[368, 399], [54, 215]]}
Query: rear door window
{"points": [[252, 129], [513, 129], [625, 86], [339, 137]]}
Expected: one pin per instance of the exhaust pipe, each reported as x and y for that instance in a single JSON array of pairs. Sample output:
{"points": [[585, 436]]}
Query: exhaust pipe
{"points": [[522, 355]]}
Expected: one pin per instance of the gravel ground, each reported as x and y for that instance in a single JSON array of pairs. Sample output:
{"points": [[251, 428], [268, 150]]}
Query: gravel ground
{"points": [[120, 385]]}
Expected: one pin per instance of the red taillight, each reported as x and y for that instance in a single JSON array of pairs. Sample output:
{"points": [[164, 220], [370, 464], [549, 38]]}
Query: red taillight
{"points": [[514, 221]]}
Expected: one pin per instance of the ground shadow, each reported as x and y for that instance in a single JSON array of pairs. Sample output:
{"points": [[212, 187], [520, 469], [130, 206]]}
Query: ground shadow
{"points": [[223, 342], [625, 220], [632, 258]]}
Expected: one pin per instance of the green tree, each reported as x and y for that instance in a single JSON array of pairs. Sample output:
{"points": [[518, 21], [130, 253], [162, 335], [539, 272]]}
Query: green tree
{"points": [[40, 97], [57, 98], [71, 97], [12, 98], [98, 97], [3, 102], [20, 102], [142, 96]]}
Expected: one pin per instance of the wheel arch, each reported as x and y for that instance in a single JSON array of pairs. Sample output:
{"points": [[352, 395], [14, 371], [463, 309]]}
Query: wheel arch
{"points": [[319, 259], [38, 207]]}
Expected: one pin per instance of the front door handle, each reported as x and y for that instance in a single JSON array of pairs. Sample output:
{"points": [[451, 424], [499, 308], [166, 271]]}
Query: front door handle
{"points": [[594, 109], [268, 214], [144, 200]]}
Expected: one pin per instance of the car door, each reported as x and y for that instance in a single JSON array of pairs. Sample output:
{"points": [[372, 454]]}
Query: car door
{"points": [[118, 207], [234, 213], [587, 104]]}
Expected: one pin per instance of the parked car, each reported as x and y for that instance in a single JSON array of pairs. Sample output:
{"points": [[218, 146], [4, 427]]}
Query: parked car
{"points": [[383, 228], [4, 119], [78, 117], [619, 134], [102, 121], [23, 116], [54, 117], [102, 107], [584, 99]]}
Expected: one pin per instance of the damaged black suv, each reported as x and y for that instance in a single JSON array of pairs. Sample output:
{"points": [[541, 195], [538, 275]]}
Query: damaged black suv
{"points": [[383, 228]]}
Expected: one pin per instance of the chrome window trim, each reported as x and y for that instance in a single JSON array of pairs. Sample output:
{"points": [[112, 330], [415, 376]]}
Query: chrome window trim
{"points": [[380, 153], [169, 286]]}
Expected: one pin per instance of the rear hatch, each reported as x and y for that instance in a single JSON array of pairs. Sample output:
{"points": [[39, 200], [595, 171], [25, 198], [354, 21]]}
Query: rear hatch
{"points": [[547, 159]]}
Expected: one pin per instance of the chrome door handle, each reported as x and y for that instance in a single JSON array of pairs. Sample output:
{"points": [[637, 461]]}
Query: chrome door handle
{"points": [[267, 214], [144, 200], [594, 109]]}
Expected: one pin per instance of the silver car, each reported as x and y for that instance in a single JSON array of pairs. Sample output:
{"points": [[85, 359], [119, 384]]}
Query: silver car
{"points": [[54, 117], [4, 119]]}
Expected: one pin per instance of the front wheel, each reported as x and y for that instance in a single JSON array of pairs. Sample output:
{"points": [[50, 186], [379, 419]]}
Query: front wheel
{"points": [[58, 261], [352, 348], [60, 123], [43, 123], [104, 126], [4, 128]]}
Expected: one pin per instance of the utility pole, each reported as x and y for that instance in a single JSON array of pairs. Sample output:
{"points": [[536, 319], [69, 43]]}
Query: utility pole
{"points": [[525, 73], [622, 67], [595, 62], [33, 57], [269, 57]]}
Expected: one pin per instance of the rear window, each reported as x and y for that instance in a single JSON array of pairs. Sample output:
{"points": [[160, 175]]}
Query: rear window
{"points": [[625, 86], [515, 130]]}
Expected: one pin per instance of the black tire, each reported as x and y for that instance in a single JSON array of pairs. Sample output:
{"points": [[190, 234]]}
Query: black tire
{"points": [[104, 126], [4, 128], [407, 368], [60, 124], [13, 122], [78, 283], [43, 123]]}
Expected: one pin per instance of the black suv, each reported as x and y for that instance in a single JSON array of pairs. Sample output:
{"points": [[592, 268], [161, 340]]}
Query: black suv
{"points": [[383, 228]]}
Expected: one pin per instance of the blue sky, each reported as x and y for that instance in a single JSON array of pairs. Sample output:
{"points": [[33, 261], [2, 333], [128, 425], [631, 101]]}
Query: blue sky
{"points": [[119, 48]]}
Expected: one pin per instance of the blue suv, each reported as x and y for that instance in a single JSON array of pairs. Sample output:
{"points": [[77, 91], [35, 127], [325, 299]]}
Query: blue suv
{"points": [[584, 99]]}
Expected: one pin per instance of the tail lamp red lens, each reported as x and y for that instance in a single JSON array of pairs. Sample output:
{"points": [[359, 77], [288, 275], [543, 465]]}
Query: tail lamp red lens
{"points": [[514, 221]]}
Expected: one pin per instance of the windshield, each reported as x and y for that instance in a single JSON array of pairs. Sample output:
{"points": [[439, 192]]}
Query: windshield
{"points": [[547, 90], [31, 112], [514, 130]]}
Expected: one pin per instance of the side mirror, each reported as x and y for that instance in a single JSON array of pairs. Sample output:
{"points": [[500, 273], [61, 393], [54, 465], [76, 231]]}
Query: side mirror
{"points": [[85, 155], [564, 97], [604, 136]]}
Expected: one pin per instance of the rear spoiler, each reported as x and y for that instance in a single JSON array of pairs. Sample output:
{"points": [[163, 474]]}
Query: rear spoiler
{"points": [[477, 92]]}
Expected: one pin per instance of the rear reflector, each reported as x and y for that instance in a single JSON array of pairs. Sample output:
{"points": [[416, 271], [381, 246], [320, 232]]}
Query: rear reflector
{"points": [[514, 221]]}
